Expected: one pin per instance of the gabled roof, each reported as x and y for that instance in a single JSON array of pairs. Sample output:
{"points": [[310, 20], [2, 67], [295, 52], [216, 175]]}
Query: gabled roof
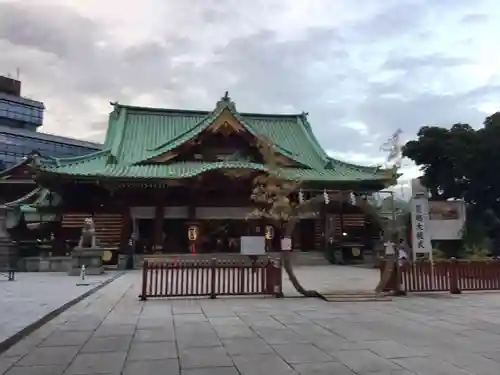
{"points": [[136, 135]]}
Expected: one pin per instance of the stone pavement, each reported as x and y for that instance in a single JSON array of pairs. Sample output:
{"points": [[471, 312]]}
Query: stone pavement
{"points": [[33, 295], [330, 278], [112, 332]]}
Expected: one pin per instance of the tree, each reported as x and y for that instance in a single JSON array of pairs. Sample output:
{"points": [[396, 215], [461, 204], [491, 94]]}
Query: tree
{"points": [[272, 195], [444, 156], [461, 163]]}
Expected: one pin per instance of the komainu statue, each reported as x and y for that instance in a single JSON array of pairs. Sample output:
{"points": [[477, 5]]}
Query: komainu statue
{"points": [[87, 253], [88, 238]]}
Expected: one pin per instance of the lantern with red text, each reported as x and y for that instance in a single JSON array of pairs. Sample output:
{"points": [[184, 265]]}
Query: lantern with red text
{"points": [[192, 233]]}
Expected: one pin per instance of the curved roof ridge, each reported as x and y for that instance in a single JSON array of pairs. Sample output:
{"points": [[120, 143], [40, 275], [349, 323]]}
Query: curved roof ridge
{"points": [[24, 198], [356, 166], [198, 112], [120, 121], [306, 128], [180, 170], [238, 116], [7, 171], [74, 159], [196, 130], [205, 123]]}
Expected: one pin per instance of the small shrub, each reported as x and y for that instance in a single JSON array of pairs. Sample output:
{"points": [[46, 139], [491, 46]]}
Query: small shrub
{"points": [[438, 254], [476, 252]]}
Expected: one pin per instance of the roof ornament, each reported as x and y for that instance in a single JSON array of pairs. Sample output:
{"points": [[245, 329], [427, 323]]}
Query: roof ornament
{"points": [[304, 114], [34, 158], [116, 110], [225, 102]]}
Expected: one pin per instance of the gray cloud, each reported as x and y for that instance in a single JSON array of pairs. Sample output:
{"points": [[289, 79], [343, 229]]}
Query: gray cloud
{"points": [[475, 18], [55, 30], [372, 68], [394, 20], [409, 63]]}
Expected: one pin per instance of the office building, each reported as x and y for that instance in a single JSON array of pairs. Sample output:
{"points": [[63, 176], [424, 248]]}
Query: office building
{"points": [[20, 118]]}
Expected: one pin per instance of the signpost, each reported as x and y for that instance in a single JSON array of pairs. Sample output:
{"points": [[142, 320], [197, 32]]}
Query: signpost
{"points": [[421, 239], [420, 221], [286, 244]]}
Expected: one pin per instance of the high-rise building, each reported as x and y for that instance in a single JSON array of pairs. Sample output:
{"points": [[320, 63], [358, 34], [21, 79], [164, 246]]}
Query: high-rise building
{"points": [[20, 118]]}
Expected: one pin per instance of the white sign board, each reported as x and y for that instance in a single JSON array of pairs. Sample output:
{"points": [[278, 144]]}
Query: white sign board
{"points": [[417, 189], [447, 220], [286, 244], [421, 238], [389, 248], [253, 245]]}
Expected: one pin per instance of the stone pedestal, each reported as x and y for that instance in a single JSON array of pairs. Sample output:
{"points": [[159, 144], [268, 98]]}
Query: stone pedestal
{"points": [[9, 255], [91, 258], [9, 251]]}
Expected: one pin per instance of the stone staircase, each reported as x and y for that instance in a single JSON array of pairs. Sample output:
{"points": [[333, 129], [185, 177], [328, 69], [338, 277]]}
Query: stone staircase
{"points": [[356, 296]]}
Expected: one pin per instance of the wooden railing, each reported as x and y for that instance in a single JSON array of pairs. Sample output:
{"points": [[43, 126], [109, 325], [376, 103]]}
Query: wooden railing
{"points": [[451, 276], [201, 277]]}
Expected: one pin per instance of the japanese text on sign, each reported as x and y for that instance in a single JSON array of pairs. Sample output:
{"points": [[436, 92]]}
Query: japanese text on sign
{"points": [[420, 212], [419, 233]]}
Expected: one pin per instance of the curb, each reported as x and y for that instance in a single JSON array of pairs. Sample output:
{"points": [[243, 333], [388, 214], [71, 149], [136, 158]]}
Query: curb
{"points": [[14, 339]]}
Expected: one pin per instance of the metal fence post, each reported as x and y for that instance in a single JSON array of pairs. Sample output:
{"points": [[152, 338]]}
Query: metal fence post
{"points": [[453, 275], [213, 268], [143, 296]]}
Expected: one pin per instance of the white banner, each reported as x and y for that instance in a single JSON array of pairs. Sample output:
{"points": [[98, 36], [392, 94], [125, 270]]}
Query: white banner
{"points": [[421, 238], [286, 244], [253, 245]]}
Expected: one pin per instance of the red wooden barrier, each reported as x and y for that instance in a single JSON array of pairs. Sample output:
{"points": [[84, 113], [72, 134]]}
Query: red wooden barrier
{"points": [[198, 277], [449, 275]]}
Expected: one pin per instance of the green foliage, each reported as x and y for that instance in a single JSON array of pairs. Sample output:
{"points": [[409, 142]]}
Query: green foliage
{"points": [[438, 254], [475, 252], [462, 162]]}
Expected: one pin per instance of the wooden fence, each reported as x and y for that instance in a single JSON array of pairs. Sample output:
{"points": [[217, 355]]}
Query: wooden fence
{"points": [[451, 276], [202, 277]]}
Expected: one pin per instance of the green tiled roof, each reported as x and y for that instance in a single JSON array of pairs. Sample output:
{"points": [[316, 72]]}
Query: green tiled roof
{"points": [[136, 135], [98, 167]]}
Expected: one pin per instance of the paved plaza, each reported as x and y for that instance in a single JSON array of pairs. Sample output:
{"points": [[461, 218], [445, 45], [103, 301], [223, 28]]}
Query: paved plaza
{"points": [[327, 279], [112, 332], [33, 295]]}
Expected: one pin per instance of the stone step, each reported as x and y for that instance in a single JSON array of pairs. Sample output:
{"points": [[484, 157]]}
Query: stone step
{"points": [[357, 299], [356, 296]]}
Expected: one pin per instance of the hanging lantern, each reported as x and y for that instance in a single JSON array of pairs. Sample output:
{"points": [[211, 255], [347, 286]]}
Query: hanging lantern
{"points": [[193, 233], [269, 232], [301, 196], [326, 197]]}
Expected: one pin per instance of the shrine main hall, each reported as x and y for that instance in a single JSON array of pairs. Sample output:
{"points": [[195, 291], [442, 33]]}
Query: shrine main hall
{"points": [[164, 175]]}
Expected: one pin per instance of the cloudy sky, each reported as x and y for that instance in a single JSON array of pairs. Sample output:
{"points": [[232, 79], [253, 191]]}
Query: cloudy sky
{"points": [[361, 68]]}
